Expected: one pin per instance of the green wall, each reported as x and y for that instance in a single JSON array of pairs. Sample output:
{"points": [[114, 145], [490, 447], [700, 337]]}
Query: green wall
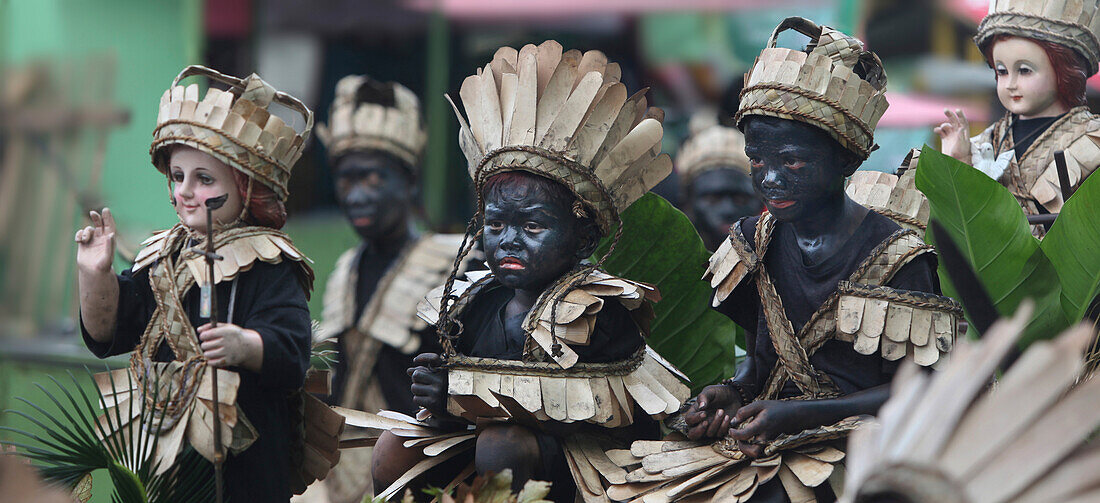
{"points": [[151, 41]]}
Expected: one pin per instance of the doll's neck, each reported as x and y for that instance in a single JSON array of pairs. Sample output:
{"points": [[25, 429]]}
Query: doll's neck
{"points": [[1054, 110]]}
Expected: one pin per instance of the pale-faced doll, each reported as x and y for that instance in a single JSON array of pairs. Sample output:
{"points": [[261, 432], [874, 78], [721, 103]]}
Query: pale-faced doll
{"points": [[1041, 58], [159, 310]]}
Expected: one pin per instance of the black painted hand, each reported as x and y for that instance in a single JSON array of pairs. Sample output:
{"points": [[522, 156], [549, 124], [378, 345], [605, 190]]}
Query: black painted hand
{"points": [[429, 383], [762, 421], [712, 412]]}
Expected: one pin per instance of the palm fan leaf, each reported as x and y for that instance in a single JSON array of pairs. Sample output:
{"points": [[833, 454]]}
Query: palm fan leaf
{"points": [[75, 441]]}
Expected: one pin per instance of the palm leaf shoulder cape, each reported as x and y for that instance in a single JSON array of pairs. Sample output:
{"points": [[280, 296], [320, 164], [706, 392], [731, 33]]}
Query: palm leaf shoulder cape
{"points": [[1032, 176]]}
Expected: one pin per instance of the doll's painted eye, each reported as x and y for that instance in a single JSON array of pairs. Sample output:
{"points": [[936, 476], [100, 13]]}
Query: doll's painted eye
{"points": [[205, 180], [533, 227], [177, 176], [495, 225]]}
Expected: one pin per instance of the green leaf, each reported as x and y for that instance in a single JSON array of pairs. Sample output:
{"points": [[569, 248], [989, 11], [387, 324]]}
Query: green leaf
{"points": [[659, 246], [987, 223], [1073, 245]]}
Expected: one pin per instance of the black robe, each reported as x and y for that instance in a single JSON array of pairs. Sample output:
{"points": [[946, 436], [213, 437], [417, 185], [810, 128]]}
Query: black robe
{"points": [[271, 301], [803, 287]]}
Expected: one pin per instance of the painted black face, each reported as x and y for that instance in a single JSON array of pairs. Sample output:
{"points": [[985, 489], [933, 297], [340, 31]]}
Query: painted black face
{"points": [[374, 191], [719, 197], [796, 168], [530, 240]]}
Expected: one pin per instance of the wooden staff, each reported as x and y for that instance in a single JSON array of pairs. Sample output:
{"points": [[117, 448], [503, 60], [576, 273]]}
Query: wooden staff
{"points": [[209, 308]]}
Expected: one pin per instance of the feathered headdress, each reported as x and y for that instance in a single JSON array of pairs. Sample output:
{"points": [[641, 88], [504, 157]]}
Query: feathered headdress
{"points": [[367, 114], [234, 126], [821, 86], [564, 116]]}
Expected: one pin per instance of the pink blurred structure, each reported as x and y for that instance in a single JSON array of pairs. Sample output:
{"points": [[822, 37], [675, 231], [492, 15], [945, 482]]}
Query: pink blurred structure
{"points": [[913, 110]]}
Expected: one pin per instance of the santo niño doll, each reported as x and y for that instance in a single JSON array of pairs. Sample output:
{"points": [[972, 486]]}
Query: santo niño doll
{"points": [[714, 174], [225, 144], [544, 364], [831, 294], [1041, 54], [375, 139]]}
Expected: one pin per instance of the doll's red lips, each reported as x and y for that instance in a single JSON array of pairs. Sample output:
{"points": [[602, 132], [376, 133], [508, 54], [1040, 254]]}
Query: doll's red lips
{"points": [[780, 203], [511, 263], [362, 221]]}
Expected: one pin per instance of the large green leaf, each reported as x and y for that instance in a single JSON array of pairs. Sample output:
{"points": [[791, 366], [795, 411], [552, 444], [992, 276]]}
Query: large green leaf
{"points": [[659, 246], [1073, 246], [986, 222]]}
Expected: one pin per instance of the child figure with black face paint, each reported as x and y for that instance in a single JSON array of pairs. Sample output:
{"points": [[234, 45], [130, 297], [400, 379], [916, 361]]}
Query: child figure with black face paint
{"points": [[375, 139], [831, 294], [544, 364], [714, 174]]}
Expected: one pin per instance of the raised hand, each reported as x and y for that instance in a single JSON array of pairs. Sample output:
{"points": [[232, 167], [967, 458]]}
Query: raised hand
{"points": [[228, 345], [955, 135], [712, 412], [95, 249], [429, 383]]}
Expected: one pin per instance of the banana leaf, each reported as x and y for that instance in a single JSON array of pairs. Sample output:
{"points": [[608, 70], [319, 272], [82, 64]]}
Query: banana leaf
{"points": [[1073, 246], [990, 229], [659, 246]]}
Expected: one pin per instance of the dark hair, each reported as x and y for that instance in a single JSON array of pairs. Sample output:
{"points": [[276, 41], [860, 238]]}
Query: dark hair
{"points": [[264, 207], [555, 192], [1070, 68]]}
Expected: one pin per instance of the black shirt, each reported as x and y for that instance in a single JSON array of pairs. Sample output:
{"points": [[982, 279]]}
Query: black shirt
{"points": [[271, 301], [804, 286], [1025, 131]]}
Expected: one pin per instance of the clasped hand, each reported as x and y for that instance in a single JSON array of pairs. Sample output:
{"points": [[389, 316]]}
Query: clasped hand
{"points": [[228, 345], [718, 412], [429, 383]]}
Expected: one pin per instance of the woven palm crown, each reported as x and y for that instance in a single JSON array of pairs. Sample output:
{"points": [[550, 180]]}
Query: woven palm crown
{"points": [[567, 117], [371, 115], [234, 126], [821, 86], [1072, 23], [710, 146]]}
